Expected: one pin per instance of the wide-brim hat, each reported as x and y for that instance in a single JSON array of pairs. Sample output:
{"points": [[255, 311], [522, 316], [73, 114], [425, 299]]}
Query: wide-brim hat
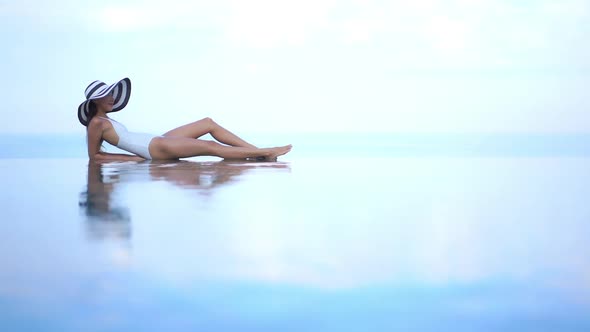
{"points": [[97, 89]]}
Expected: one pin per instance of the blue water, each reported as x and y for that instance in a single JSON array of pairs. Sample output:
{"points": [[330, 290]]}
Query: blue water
{"points": [[348, 233]]}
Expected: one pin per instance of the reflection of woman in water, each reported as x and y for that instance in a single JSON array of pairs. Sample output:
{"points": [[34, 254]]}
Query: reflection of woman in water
{"points": [[203, 176], [108, 217], [178, 143], [104, 218]]}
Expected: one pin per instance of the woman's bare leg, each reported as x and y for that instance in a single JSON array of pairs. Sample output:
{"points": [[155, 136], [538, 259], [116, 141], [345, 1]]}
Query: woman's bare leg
{"points": [[171, 147], [208, 126]]}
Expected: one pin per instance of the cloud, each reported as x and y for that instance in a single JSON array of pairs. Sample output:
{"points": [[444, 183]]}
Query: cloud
{"points": [[268, 23], [153, 15], [463, 31], [41, 12], [125, 17]]}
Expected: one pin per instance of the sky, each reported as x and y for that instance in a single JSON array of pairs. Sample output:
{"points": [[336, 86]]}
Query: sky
{"points": [[428, 66]]}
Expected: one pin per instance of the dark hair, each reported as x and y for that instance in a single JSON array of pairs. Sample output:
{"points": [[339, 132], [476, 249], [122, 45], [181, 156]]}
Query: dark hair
{"points": [[91, 111]]}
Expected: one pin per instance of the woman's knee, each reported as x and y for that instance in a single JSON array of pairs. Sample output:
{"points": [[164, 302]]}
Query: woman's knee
{"points": [[206, 120], [210, 123]]}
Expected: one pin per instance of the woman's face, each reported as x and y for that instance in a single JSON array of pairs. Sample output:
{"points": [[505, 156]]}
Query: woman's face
{"points": [[105, 103]]}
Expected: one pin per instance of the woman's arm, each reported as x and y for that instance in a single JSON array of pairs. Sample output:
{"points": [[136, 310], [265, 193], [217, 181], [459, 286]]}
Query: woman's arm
{"points": [[95, 130]]}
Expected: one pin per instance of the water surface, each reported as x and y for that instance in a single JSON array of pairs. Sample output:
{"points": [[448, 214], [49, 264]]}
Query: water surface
{"points": [[312, 243]]}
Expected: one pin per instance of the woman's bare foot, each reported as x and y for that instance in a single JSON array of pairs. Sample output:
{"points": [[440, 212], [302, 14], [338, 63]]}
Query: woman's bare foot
{"points": [[278, 151]]}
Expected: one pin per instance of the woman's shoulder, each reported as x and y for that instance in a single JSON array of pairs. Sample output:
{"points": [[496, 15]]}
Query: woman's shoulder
{"points": [[97, 122]]}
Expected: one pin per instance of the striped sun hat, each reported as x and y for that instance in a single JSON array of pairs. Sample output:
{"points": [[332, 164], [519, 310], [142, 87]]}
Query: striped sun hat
{"points": [[97, 89]]}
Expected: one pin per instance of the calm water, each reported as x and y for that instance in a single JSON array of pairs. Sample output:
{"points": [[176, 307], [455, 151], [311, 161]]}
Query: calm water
{"points": [[449, 239]]}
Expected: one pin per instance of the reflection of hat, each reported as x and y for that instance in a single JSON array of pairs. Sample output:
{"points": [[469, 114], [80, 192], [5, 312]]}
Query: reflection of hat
{"points": [[97, 89]]}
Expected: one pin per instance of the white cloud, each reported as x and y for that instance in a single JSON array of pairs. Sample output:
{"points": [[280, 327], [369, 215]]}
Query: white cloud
{"points": [[42, 12], [130, 16], [458, 31], [268, 23]]}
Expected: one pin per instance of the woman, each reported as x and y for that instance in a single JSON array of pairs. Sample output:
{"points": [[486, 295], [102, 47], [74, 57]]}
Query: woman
{"points": [[178, 143]]}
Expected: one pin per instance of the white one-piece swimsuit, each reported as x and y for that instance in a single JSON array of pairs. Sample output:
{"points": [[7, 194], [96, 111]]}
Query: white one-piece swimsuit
{"points": [[137, 143]]}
